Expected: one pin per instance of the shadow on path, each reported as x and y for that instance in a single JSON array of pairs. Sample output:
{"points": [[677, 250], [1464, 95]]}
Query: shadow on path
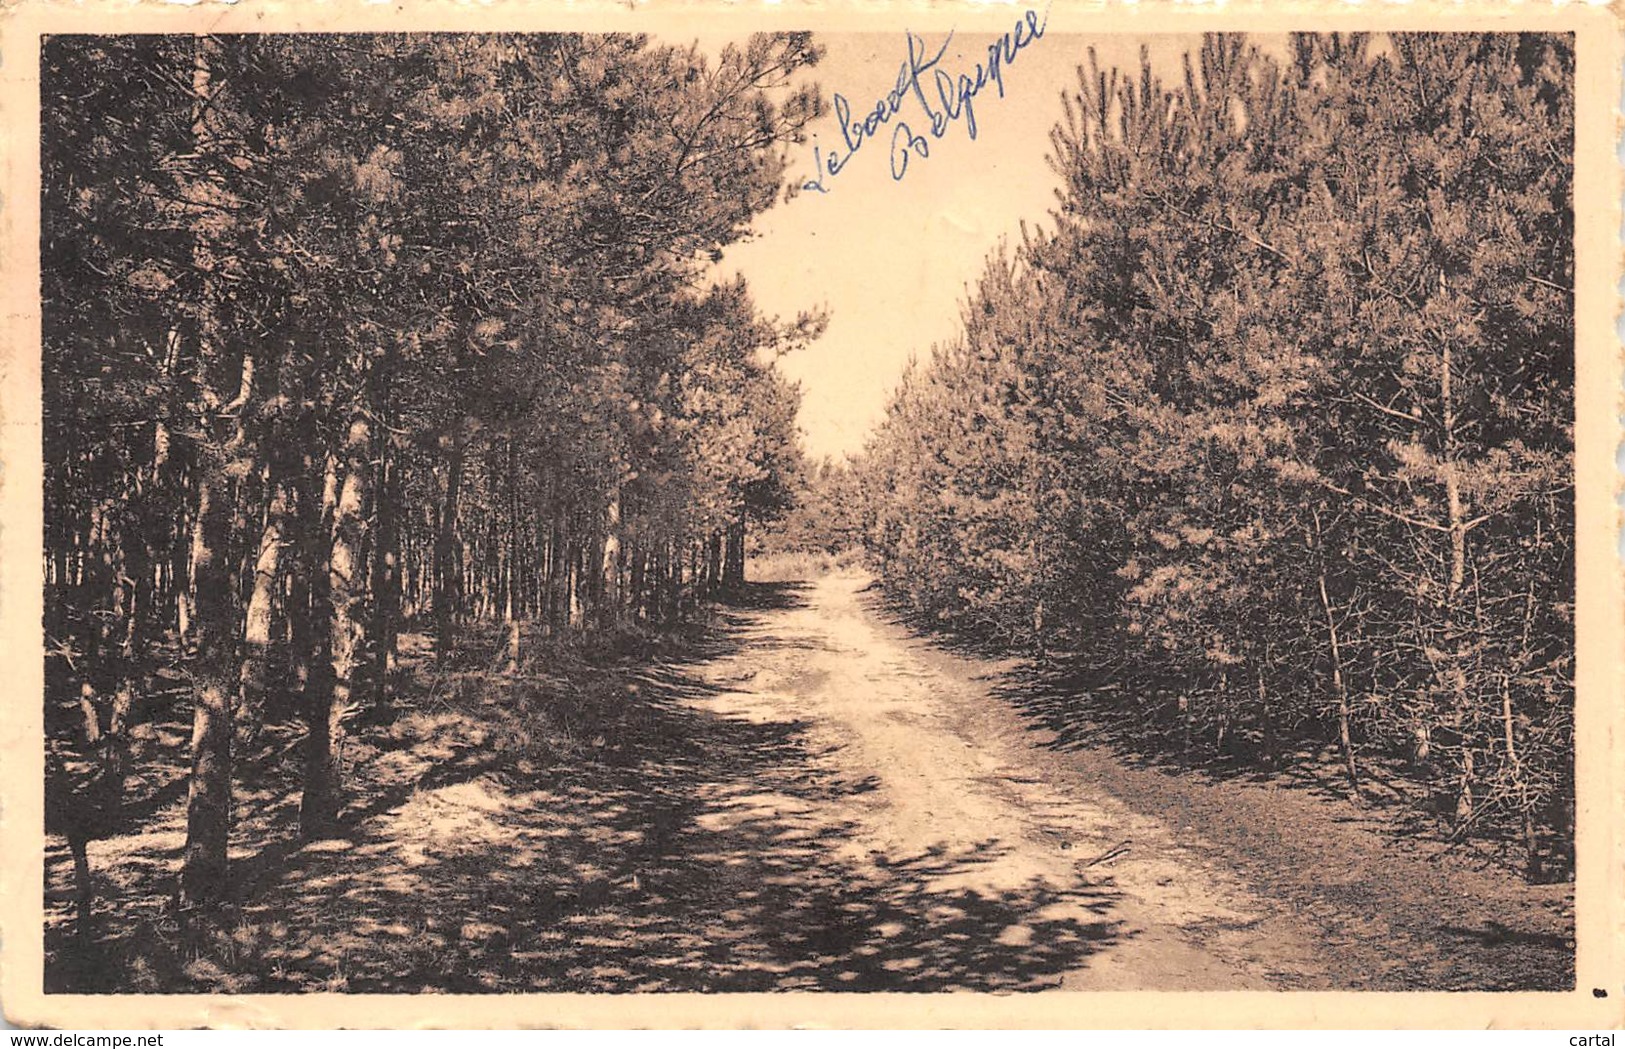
{"points": [[593, 827], [1392, 905]]}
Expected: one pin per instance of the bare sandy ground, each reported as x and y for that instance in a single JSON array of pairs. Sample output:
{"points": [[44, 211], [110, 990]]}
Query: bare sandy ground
{"points": [[955, 774]]}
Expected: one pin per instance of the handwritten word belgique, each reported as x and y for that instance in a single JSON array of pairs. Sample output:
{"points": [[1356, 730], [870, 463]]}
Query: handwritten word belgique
{"points": [[943, 97]]}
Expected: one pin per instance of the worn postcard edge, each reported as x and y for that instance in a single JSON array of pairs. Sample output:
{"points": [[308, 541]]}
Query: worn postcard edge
{"points": [[1597, 1001]]}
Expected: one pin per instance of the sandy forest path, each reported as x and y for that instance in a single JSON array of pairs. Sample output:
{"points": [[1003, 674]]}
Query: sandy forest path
{"points": [[954, 775], [801, 794]]}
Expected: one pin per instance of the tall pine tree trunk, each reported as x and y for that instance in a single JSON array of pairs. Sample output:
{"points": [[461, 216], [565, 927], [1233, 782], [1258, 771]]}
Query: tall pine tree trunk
{"points": [[576, 605], [208, 801], [447, 551], [257, 621], [558, 571], [733, 573], [636, 580], [386, 578], [385, 584], [318, 808], [609, 565], [512, 610], [347, 628], [1455, 668], [1345, 736], [203, 880]]}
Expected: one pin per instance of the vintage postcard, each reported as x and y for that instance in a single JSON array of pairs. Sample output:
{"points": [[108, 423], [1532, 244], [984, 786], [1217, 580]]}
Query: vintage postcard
{"points": [[1030, 514]]}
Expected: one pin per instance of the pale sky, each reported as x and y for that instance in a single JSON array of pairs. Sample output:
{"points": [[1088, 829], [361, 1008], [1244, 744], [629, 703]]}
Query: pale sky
{"points": [[890, 260]]}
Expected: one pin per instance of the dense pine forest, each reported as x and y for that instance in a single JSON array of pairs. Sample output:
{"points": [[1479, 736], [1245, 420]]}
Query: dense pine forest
{"points": [[407, 436], [1266, 437], [351, 335]]}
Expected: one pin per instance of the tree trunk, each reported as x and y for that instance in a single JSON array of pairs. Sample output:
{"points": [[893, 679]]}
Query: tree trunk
{"points": [[512, 609], [208, 802], [1267, 734], [203, 880], [318, 806], [347, 635], [1455, 670], [609, 566], [1520, 785], [447, 551], [181, 576], [672, 603], [637, 580], [1465, 807], [575, 605], [304, 583], [257, 623], [1344, 736], [386, 578], [558, 572], [734, 569], [1452, 482]]}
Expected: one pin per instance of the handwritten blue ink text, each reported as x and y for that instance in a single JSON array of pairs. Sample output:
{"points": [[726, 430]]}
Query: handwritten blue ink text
{"points": [[943, 98]]}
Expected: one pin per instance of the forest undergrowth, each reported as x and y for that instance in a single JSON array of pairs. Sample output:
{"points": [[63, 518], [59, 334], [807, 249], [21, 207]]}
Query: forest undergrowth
{"points": [[477, 727], [1073, 709], [1384, 882]]}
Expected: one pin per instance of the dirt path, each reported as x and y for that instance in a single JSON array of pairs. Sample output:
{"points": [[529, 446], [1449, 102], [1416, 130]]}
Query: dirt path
{"points": [[953, 776], [801, 795]]}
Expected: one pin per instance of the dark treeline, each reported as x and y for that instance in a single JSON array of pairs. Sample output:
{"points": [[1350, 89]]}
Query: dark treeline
{"points": [[350, 335], [1270, 434]]}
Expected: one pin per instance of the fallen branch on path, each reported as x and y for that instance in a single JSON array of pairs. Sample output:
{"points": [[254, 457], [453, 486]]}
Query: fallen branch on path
{"points": [[1110, 854]]}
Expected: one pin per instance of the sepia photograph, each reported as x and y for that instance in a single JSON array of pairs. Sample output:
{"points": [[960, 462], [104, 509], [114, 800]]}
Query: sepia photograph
{"points": [[900, 507]]}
